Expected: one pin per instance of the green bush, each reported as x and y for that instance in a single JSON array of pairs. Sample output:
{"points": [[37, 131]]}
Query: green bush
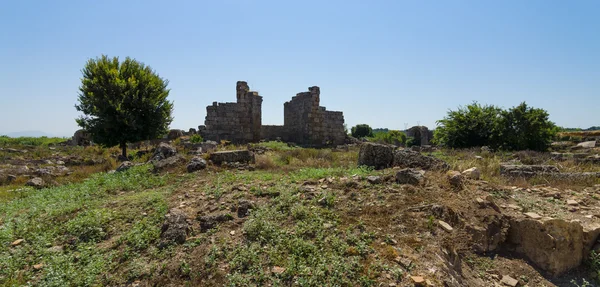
{"points": [[519, 128], [389, 137], [361, 131], [468, 126], [524, 128], [196, 138]]}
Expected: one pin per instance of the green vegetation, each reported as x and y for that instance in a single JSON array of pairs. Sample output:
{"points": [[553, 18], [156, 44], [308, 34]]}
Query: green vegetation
{"points": [[361, 131], [29, 141], [519, 128], [196, 138], [61, 226], [289, 233], [389, 137], [123, 102]]}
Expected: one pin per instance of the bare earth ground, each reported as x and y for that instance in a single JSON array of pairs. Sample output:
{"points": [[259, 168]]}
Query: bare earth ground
{"points": [[314, 219]]}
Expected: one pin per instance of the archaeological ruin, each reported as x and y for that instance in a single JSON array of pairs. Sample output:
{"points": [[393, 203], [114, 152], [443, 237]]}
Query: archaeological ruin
{"points": [[305, 122]]}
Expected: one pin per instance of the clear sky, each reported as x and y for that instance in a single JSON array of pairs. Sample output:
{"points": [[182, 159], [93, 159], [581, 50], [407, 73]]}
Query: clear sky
{"points": [[383, 63]]}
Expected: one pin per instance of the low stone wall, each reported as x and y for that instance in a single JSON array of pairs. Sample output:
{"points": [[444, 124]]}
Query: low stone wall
{"points": [[270, 132]]}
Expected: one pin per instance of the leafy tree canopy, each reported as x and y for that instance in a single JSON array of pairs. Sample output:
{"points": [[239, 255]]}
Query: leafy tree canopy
{"points": [[361, 131], [122, 102]]}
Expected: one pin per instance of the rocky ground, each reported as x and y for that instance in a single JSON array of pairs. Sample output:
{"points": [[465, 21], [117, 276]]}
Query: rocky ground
{"points": [[274, 214]]}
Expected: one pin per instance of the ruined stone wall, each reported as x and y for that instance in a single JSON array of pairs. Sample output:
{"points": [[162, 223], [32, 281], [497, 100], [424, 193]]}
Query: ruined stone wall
{"points": [[420, 132], [308, 123], [271, 133], [238, 122], [305, 122]]}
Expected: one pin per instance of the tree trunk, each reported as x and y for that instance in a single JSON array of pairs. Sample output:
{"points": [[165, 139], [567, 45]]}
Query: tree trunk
{"points": [[124, 149]]}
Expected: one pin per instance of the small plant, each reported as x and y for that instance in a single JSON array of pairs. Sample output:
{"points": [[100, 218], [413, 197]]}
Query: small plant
{"points": [[431, 222], [196, 138]]}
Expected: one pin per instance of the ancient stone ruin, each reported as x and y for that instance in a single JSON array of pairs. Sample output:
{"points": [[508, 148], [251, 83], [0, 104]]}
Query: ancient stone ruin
{"points": [[305, 122], [421, 133]]}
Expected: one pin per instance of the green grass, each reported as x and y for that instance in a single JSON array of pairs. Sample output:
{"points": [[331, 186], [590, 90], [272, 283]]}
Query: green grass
{"points": [[275, 145], [29, 141], [79, 218], [303, 237]]}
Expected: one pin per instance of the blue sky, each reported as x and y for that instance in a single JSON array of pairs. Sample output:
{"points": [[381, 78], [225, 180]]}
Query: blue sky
{"points": [[384, 63]]}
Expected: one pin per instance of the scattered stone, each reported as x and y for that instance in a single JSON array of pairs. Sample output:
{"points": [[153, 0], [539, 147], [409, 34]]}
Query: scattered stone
{"points": [[210, 221], [588, 144], [163, 151], [168, 162], [572, 202], [232, 233], [60, 162], [527, 170], [509, 281], [174, 229], [375, 155], [472, 173], [240, 156], [197, 163], [209, 146], [555, 245], [455, 178], [373, 179], [418, 280], [412, 159], [11, 177], [38, 266], [35, 182], [174, 134], [17, 242], [477, 157], [410, 176], [125, 166], [533, 215], [244, 207], [445, 226], [277, 270]]}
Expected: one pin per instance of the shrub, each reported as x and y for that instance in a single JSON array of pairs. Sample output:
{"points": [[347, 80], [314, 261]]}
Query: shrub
{"points": [[196, 138], [519, 128], [389, 137], [361, 131], [468, 126], [524, 128]]}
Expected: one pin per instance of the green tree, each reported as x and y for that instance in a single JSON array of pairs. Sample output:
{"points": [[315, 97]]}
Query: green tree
{"points": [[361, 131], [122, 102], [468, 126], [524, 128]]}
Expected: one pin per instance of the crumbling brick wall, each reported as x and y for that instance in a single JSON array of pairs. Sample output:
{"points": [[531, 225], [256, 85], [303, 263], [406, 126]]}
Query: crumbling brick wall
{"points": [[238, 122]]}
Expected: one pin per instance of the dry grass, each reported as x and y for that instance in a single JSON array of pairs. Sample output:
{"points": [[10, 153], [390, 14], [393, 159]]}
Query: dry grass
{"points": [[580, 134]]}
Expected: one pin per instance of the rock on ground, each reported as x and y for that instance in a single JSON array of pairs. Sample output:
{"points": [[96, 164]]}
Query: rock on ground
{"points": [[375, 155], [527, 170], [588, 144], [175, 228], [196, 164], [410, 176], [244, 207], [163, 151], [174, 134], [210, 221], [472, 173], [554, 245], [36, 182], [125, 166], [168, 163], [412, 159], [242, 156], [455, 178]]}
